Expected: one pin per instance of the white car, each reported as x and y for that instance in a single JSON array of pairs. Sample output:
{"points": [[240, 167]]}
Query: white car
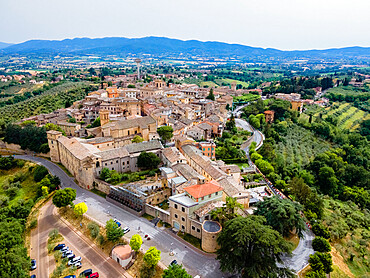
{"points": [[78, 265], [126, 230], [74, 261]]}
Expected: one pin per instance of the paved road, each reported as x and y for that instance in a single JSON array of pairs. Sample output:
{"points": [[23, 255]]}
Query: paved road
{"points": [[91, 258], [101, 210]]}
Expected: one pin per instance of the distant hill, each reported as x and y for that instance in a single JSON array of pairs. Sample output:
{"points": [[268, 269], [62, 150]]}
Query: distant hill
{"points": [[159, 46], [4, 45]]}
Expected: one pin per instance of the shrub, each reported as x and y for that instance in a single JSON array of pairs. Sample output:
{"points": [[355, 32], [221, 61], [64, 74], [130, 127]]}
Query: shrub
{"points": [[53, 234], [39, 173], [100, 238], [4, 201], [320, 244], [12, 192], [94, 229], [33, 224]]}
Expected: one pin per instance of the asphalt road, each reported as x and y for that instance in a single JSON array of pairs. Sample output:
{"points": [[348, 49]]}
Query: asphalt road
{"points": [[91, 258], [195, 262]]}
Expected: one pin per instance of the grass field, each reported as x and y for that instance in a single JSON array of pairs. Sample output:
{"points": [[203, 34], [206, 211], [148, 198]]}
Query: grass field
{"points": [[208, 83], [229, 81], [248, 97]]}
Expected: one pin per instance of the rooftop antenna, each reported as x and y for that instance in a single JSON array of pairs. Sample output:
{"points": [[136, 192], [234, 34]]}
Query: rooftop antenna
{"points": [[138, 61]]}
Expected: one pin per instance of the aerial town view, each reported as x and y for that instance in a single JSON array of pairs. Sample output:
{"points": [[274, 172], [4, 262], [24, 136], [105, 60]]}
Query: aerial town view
{"points": [[184, 139]]}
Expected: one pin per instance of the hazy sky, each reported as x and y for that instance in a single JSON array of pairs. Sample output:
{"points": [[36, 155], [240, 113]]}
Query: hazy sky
{"points": [[283, 24]]}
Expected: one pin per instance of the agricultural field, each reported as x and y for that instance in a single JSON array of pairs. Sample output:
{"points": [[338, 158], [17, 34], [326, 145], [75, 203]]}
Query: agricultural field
{"points": [[344, 114], [246, 97], [47, 102], [208, 84], [299, 146], [229, 81]]}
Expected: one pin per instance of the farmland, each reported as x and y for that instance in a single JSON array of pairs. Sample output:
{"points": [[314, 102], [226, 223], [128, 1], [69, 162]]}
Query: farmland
{"points": [[298, 146], [246, 97], [344, 115]]}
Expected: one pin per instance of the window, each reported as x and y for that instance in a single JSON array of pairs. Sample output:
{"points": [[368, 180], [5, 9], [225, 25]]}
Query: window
{"points": [[116, 161], [183, 227], [128, 132], [198, 230], [176, 216], [182, 219], [193, 228], [202, 198], [208, 148], [105, 164], [216, 193], [210, 195], [175, 206], [183, 209], [111, 162], [128, 162], [123, 163]]}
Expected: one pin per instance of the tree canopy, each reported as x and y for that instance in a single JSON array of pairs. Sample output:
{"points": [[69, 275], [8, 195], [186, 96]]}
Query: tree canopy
{"points": [[228, 211], [136, 242], [114, 233], [64, 197], [152, 256], [165, 132], [175, 271], [283, 215], [252, 249], [148, 160], [80, 208]]}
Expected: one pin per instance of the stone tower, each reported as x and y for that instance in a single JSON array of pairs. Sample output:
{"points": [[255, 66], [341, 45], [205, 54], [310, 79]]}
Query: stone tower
{"points": [[104, 117], [233, 86], [53, 137]]}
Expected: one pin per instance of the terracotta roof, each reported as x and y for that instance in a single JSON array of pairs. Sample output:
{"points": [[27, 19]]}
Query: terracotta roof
{"points": [[269, 112], [201, 190]]}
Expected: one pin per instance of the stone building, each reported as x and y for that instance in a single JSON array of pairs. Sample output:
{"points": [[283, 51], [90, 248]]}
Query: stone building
{"points": [[122, 254]]}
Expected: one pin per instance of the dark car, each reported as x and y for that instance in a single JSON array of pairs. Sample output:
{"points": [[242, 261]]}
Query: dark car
{"points": [[94, 275], [33, 264], [33, 276], [70, 276], [117, 222], [59, 247], [86, 273], [173, 262]]}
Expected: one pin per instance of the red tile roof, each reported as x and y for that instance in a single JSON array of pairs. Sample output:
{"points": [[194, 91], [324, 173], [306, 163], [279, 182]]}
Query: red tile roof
{"points": [[201, 190]]}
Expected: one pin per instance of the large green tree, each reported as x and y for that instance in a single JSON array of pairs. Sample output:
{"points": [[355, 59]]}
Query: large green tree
{"points": [[114, 233], [152, 256], [165, 132], [136, 242], [211, 96], [148, 160], [321, 244], [251, 248], [64, 197], [321, 262], [283, 215], [175, 271]]}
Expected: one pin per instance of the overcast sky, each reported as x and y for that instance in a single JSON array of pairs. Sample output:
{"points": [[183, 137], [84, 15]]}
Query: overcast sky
{"points": [[282, 24]]}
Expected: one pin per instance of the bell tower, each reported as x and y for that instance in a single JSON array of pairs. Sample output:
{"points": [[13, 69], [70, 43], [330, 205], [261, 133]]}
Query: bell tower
{"points": [[104, 117]]}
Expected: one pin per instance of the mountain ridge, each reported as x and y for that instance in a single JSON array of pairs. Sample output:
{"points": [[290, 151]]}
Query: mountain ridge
{"points": [[162, 46]]}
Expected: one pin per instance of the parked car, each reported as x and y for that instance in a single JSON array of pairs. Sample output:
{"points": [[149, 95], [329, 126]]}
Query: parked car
{"points": [[173, 262], [64, 249], [86, 273], [94, 275], [126, 230], [117, 222], [33, 264], [68, 252], [74, 261], [33, 276], [71, 256], [70, 276], [59, 246], [78, 265]]}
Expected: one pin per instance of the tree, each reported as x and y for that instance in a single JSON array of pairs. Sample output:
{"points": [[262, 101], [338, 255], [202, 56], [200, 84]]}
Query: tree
{"points": [[283, 215], [321, 262], [254, 121], [211, 96], [137, 139], [152, 256], [327, 180], [252, 249], [320, 230], [80, 209], [45, 191], [230, 125], [316, 274], [136, 242], [165, 132], [320, 244], [114, 233], [148, 160], [96, 123], [228, 211], [94, 229], [175, 271], [64, 197], [39, 173], [104, 174], [264, 166]]}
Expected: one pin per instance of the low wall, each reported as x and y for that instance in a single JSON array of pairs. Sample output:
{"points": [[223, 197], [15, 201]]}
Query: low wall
{"points": [[158, 212], [159, 197], [102, 186], [11, 148]]}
